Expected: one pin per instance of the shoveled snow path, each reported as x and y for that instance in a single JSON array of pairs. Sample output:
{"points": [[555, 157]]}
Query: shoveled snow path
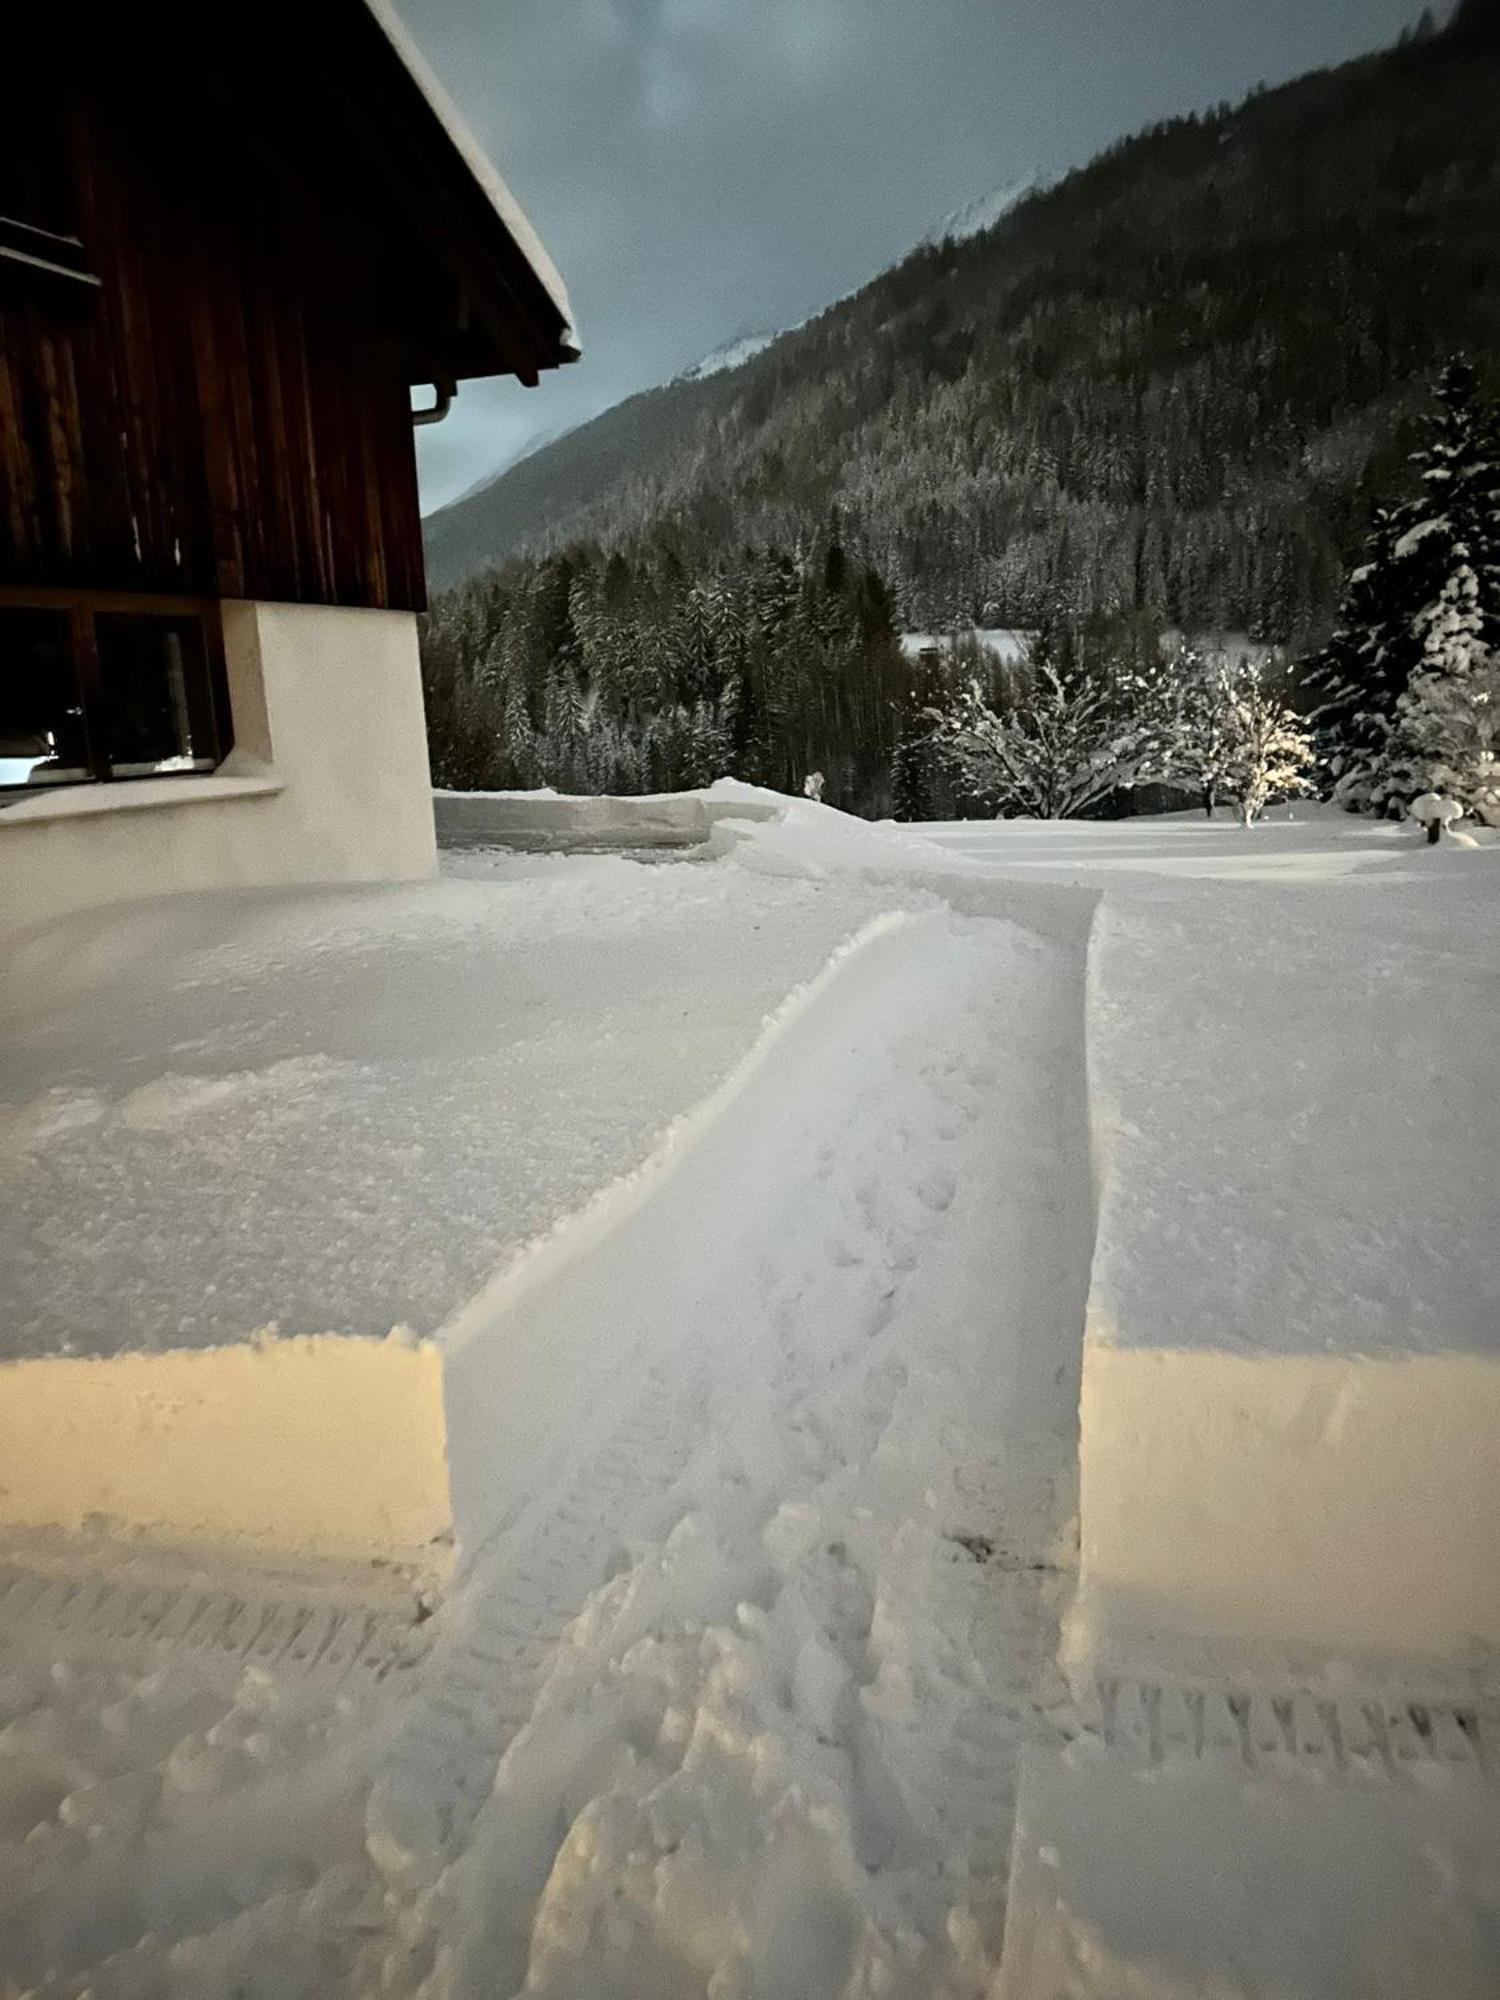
{"points": [[732, 1704], [755, 1665]]}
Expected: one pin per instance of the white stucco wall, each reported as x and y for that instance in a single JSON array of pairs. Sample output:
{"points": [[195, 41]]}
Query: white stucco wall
{"points": [[327, 782]]}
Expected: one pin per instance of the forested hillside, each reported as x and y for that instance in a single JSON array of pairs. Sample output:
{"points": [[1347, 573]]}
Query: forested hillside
{"points": [[1176, 380]]}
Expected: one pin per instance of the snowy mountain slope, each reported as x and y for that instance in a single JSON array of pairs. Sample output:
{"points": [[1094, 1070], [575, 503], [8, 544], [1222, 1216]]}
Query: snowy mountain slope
{"points": [[733, 354], [985, 210], [1088, 379], [971, 219]]}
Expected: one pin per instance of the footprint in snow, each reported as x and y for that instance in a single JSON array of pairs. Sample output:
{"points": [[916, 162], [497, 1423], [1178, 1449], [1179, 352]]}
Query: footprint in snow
{"points": [[936, 1192]]}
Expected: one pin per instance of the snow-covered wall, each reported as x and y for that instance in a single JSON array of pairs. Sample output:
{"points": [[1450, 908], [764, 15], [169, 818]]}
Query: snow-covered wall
{"points": [[560, 821], [327, 782]]}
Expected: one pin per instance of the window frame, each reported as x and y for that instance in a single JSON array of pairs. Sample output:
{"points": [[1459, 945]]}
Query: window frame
{"points": [[45, 253], [80, 608]]}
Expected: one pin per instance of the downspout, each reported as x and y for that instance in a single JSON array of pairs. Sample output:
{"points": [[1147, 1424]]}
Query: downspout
{"points": [[444, 389]]}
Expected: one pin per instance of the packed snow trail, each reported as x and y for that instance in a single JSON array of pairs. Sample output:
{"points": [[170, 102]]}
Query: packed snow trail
{"points": [[732, 1703], [755, 1665]]}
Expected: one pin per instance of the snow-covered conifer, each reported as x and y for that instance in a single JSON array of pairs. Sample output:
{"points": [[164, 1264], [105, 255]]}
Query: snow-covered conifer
{"points": [[911, 778], [1446, 735], [1413, 554]]}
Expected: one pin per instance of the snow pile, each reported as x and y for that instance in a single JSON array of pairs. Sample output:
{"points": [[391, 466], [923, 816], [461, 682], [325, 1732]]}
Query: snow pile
{"points": [[807, 839], [1294, 1350], [1300, 1090]]}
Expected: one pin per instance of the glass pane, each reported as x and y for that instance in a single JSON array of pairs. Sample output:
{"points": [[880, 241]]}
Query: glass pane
{"points": [[42, 737], [158, 709]]}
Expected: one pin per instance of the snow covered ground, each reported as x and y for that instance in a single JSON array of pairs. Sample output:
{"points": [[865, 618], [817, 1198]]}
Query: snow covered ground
{"points": [[732, 1702], [340, 1110], [1293, 1339]]}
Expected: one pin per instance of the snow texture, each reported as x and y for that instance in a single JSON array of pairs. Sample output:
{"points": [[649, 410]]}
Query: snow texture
{"points": [[746, 1666], [732, 1701], [1006, 646], [1305, 1174], [1294, 1084], [340, 1111]]}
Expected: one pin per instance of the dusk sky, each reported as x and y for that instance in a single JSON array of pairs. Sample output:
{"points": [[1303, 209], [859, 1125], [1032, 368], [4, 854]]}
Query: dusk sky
{"points": [[701, 169]]}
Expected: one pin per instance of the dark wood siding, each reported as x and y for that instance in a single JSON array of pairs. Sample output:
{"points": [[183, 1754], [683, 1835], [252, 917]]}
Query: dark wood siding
{"points": [[227, 413]]}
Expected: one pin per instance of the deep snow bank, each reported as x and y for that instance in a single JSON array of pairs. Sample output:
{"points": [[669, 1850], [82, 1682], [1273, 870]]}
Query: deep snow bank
{"points": [[560, 822], [247, 1138], [1293, 1376], [1218, 1879], [1292, 1385]]}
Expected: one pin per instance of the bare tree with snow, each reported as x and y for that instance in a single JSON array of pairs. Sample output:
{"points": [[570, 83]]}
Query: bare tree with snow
{"points": [[1269, 747], [1072, 740], [1203, 751]]}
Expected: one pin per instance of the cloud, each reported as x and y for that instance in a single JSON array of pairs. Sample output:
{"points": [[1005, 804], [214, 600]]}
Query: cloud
{"points": [[667, 89]]}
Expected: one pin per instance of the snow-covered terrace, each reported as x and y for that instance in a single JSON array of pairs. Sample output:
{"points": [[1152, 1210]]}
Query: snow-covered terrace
{"points": [[259, 1154], [770, 1448], [1292, 1370]]}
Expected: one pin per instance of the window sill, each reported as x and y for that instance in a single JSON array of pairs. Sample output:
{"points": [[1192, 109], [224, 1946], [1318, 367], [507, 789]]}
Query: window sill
{"points": [[131, 795]]}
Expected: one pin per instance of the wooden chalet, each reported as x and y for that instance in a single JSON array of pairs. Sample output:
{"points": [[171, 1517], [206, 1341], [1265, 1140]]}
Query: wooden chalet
{"points": [[233, 241]]}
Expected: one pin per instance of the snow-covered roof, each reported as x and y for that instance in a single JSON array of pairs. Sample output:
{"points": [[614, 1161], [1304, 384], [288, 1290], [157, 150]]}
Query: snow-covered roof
{"points": [[480, 166]]}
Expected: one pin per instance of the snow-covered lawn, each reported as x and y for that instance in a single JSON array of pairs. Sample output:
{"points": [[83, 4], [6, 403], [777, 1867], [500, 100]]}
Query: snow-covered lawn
{"points": [[1309, 844], [339, 1110], [731, 1701]]}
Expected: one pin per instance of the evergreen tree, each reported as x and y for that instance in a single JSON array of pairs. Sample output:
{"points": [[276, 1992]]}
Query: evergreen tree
{"points": [[911, 778], [1414, 552], [1446, 735]]}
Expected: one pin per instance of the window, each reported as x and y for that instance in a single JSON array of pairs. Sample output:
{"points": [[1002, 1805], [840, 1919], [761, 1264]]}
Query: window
{"points": [[42, 737], [92, 691], [156, 707]]}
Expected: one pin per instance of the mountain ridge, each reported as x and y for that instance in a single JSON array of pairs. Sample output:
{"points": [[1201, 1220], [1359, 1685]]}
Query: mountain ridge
{"points": [[969, 219], [1177, 375]]}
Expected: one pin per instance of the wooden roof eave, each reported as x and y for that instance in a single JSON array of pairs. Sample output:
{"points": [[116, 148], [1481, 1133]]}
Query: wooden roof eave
{"points": [[457, 206]]}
